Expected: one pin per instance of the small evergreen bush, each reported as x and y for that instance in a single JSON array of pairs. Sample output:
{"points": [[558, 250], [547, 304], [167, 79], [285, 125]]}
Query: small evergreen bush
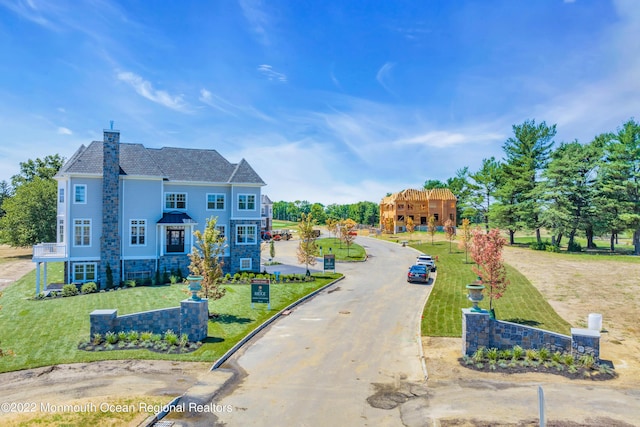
{"points": [[89, 288], [69, 290]]}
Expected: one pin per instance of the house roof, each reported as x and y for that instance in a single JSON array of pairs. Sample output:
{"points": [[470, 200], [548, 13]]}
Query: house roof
{"points": [[169, 163], [420, 195]]}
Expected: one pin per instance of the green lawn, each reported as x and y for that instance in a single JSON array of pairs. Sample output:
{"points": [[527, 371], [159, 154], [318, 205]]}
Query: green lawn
{"points": [[47, 332], [278, 224], [332, 245], [521, 303]]}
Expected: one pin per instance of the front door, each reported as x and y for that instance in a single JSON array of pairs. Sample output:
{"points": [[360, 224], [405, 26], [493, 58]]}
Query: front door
{"points": [[175, 240]]}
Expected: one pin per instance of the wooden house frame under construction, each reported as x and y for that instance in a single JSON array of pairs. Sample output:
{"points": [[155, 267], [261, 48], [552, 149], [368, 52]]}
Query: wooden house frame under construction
{"points": [[418, 205]]}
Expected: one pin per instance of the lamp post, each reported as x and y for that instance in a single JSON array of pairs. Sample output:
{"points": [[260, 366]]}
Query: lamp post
{"points": [[194, 286]]}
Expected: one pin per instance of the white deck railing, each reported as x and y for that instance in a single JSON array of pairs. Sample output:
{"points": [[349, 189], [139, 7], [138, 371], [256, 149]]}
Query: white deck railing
{"points": [[50, 250]]}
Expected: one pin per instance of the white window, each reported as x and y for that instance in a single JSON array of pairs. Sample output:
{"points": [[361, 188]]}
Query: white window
{"points": [[246, 202], [61, 231], [222, 229], [60, 195], [245, 264], [80, 194], [84, 272], [175, 200], [215, 202], [245, 234], [138, 231], [81, 232]]}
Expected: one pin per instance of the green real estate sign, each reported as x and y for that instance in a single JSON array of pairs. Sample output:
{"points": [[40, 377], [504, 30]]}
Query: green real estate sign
{"points": [[330, 262], [260, 291]]}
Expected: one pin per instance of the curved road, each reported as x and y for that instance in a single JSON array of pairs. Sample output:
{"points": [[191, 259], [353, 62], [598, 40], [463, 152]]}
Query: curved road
{"points": [[320, 364]]}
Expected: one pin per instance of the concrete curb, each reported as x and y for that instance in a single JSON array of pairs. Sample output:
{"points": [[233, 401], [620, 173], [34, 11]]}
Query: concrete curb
{"points": [[272, 319]]}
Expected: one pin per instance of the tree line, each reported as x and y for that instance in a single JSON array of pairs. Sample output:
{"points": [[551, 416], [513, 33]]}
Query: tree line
{"points": [[591, 189], [366, 213]]}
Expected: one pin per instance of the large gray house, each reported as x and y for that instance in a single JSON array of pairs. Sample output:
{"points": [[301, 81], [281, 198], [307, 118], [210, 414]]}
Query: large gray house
{"points": [[133, 210]]}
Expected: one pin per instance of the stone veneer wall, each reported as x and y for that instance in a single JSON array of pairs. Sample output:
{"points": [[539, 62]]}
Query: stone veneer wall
{"points": [[110, 239], [243, 251], [139, 268], [479, 330], [191, 318], [170, 263]]}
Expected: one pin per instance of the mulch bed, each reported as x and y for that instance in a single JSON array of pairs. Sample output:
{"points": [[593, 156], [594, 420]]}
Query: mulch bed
{"points": [[582, 373]]}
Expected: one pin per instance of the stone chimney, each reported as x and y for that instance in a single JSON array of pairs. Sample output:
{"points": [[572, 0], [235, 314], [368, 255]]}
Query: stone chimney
{"points": [[110, 250]]}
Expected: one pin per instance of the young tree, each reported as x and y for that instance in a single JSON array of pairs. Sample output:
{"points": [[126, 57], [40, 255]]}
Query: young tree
{"points": [[486, 252], [431, 227], [450, 231], [206, 259], [347, 234], [332, 226], [272, 249], [411, 227], [465, 238], [307, 248]]}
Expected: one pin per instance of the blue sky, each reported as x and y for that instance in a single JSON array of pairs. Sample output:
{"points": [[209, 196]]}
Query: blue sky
{"points": [[331, 101]]}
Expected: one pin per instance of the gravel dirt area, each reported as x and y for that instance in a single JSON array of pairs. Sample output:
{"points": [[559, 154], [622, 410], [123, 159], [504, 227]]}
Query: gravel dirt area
{"points": [[458, 396]]}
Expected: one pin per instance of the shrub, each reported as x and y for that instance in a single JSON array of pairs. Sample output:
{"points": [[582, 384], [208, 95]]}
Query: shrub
{"points": [[544, 354], [89, 288], [69, 290], [156, 338], [552, 248], [173, 279], [574, 247], [109, 275], [97, 339], [171, 337], [518, 352], [111, 337], [145, 336], [184, 340], [133, 336], [130, 283], [587, 360], [122, 336]]}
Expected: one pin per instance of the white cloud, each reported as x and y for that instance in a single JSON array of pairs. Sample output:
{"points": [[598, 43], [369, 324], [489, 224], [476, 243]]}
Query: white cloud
{"points": [[64, 131], [268, 71], [216, 102], [443, 139], [145, 89], [257, 18], [384, 74]]}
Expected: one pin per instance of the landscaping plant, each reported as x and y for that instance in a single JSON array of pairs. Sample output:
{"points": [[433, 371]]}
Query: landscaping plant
{"points": [[486, 251], [206, 259]]}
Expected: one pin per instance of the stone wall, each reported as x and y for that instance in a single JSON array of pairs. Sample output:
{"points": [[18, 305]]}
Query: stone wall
{"points": [[239, 251], [479, 330], [191, 318], [110, 239]]}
